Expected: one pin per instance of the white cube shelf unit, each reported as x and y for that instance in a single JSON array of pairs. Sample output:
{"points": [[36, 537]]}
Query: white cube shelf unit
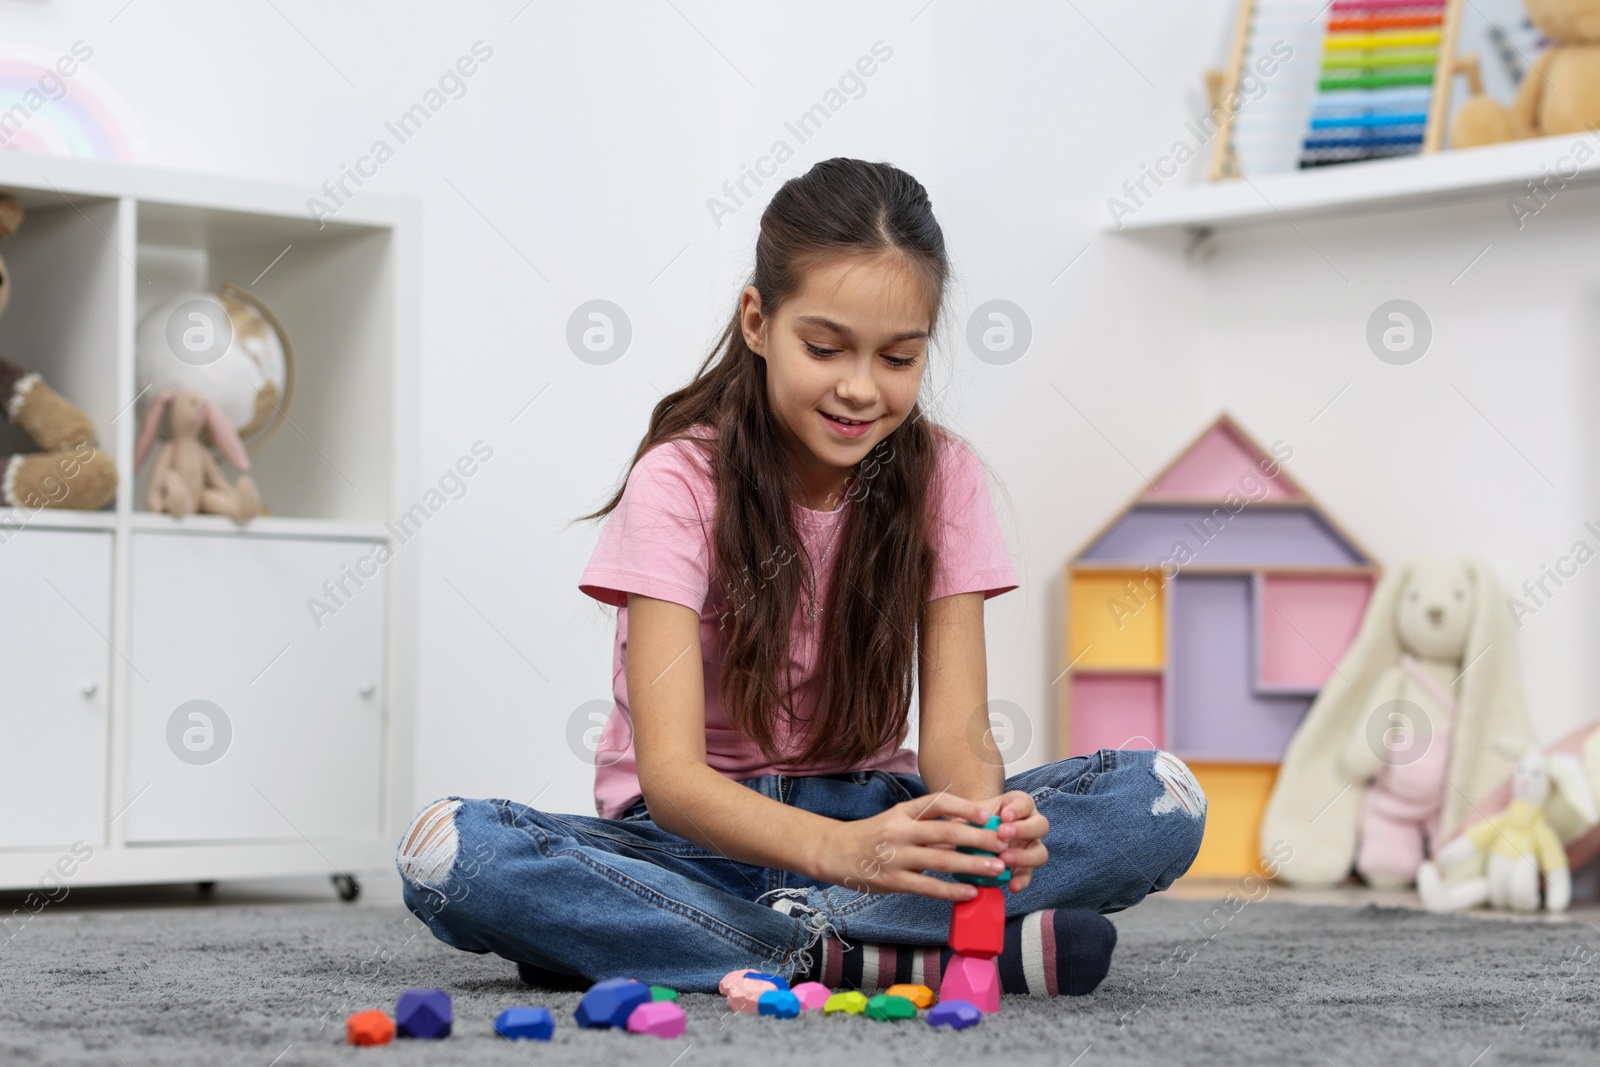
{"points": [[113, 622]]}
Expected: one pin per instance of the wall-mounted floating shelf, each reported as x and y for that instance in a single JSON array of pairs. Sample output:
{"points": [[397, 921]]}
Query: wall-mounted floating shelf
{"points": [[1371, 187]]}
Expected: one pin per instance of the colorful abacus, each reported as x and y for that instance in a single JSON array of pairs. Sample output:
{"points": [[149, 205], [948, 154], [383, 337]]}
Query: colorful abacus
{"points": [[1321, 83], [1380, 65]]}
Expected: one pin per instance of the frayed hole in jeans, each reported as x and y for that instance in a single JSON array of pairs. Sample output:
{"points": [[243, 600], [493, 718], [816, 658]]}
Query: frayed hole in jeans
{"points": [[1182, 789], [428, 850]]}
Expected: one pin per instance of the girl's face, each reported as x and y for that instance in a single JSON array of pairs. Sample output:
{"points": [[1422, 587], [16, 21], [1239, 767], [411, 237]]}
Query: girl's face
{"points": [[851, 343]]}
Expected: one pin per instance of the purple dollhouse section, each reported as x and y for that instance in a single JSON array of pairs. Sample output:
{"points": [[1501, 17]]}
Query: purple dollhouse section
{"points": [[1216, 712], [1253, 537]]}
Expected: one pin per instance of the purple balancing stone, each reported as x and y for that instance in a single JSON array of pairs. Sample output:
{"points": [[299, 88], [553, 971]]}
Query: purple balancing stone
{"points": [[609, 1003], [423, 1013], [956, 1014], [663, 1018], [812, 995]]}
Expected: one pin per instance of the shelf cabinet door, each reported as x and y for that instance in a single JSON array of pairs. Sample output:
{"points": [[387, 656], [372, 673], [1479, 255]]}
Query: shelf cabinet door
{"points": [[55, 660], [252, 718]]}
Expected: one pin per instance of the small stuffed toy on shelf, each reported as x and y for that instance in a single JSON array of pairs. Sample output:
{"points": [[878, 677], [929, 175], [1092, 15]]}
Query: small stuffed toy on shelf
{"points": [[186, 477], [1561, 94], [1506, 853], [68, 471]]}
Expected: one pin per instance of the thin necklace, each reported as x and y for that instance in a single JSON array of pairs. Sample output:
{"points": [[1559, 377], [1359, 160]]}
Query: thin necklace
{"points": [[811, 609]]}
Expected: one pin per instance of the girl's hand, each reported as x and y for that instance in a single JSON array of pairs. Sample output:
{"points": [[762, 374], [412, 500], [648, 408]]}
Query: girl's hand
{"points": [[1022, 829], [887, 852]]}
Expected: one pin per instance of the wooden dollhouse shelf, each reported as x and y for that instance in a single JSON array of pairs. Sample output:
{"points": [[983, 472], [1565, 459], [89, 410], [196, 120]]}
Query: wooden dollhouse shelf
{"points": [[1472, 174]]}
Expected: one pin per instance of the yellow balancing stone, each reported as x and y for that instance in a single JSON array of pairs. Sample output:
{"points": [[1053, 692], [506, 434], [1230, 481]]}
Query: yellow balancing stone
{"points": [[920, 995], [852, 1001]]}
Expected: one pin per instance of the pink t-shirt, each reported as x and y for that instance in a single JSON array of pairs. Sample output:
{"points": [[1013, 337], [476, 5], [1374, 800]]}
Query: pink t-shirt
{"points": [[657, 542]]}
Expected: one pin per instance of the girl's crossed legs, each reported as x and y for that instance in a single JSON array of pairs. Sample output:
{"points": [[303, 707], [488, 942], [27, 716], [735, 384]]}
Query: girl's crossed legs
{"points": [[599, 898]]}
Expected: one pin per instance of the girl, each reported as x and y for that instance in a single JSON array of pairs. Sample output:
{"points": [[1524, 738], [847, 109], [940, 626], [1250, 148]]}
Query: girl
{"points": [[792, 538]]}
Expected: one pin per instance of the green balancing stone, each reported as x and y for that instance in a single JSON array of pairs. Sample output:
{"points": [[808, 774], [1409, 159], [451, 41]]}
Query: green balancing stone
{"points": [[661, 992], [852, 1002], [883, 1006], [991, 881]]}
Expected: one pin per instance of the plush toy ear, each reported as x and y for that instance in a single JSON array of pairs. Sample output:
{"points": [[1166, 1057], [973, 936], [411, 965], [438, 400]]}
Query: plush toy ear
{"points": [[1490, 702], [151, 426], [1568, 776], [223, 435]]}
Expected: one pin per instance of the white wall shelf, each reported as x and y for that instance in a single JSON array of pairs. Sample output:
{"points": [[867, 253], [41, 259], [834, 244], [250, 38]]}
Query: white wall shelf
{"points": [[1485, 173], [110, 621]]}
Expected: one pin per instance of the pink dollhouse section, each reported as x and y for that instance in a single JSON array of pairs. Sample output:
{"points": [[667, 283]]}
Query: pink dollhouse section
{"points": [[1117, 711], [1222, 461], [1307, 622]]}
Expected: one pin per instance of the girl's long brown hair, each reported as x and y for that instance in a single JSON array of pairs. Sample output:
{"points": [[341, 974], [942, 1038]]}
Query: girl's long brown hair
{"points": [[885, 558]]}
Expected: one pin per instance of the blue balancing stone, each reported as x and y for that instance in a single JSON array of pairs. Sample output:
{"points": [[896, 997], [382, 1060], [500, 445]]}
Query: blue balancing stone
{"points": [[531, 1024], [609, 1003], [774, 979], [956, 1014], [423, 1013], [779, 1002]]}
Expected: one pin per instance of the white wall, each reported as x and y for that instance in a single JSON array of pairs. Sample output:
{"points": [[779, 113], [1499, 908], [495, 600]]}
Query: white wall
{"points": [[578, 165]]}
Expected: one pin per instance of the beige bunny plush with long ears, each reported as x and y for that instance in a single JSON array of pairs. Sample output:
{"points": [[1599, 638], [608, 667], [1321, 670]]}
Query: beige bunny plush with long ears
{"points": [[1394, 756], [186, 477]]}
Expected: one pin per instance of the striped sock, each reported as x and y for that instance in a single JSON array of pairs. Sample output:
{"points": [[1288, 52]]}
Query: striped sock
{"points": [[1047, 953]]}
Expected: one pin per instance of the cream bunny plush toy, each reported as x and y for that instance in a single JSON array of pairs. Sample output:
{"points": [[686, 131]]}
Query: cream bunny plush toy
{"points": [[186, 477], [1510, 850], [1394, 753]]}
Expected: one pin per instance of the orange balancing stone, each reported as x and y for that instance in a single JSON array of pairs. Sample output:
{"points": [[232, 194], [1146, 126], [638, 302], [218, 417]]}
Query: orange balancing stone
{"points": [[920, 995], [369, 1028]]}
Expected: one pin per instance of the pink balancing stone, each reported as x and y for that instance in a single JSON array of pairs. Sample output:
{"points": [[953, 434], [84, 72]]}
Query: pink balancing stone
{"points": [[973, 979], [726, 985], [663, 1018], [744, 994], [811, 995]]}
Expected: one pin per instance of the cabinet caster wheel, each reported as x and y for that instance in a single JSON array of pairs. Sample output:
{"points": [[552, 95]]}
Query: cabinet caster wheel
{"points": [[205, 889], [347, 887]]}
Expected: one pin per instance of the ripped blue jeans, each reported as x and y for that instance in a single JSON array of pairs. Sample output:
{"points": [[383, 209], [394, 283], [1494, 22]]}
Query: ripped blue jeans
{"points": [[591, 898]]}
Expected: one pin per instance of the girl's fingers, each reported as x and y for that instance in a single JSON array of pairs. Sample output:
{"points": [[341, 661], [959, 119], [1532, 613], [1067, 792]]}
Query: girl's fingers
{"points": [[1035, 855], [1031, 828], [949, 833], [933, 887], [942, 803], [949, 861]]}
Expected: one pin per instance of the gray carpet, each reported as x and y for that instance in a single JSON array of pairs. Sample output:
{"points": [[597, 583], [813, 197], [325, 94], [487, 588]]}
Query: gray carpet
{"points": [[1276, 983]]}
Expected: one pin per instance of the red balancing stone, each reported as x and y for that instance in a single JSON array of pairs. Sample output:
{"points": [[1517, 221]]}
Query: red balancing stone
{"points": [[978, 926]]}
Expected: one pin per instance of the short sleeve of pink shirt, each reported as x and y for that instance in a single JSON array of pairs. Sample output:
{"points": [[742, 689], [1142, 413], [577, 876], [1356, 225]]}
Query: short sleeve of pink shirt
{"points": [[657, 542]]}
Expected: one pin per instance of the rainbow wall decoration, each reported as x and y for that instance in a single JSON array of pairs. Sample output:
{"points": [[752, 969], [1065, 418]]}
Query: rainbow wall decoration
{"points": [[37, 117], [1216, 651]]}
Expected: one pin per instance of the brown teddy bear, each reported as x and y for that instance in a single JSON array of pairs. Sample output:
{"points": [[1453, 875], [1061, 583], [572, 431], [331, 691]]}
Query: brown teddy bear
{"points": [[69, 471], [1561, 94]]}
